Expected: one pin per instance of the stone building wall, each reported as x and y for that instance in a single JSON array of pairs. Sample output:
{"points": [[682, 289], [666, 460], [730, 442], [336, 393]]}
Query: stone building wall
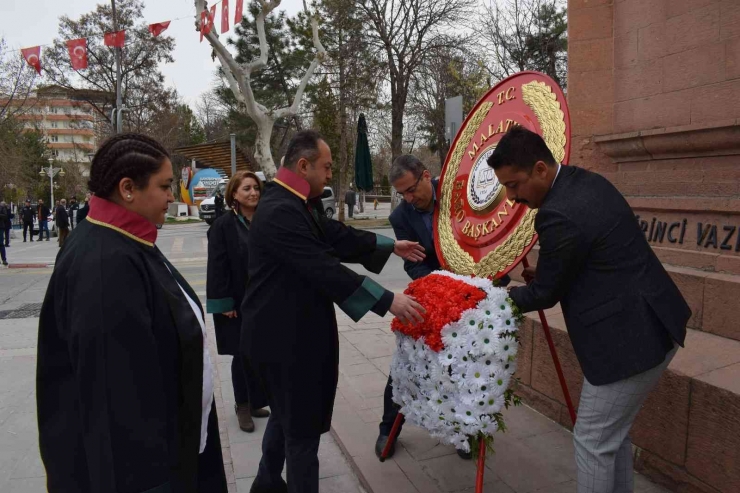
{"points": [[654, 98]]}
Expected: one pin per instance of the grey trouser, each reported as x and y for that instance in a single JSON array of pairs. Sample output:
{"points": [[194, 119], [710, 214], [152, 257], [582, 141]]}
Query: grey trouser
{"points": [[601, 435]]}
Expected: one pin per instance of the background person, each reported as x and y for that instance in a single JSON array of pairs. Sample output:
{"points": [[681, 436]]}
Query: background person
{"points": [[62, 221], [625, 316], [82, 212], [43, 214], [6, 223], [27, 216], [124, 382], [350, 198], [228, 256], [72, 211]]}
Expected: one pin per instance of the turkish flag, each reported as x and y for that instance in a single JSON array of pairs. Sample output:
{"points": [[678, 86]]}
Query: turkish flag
{"points": [[33, 57], [212, 19], [78, 53], [116, 39], [239, 13], [224, 16], [204, 28], [158, 28]]}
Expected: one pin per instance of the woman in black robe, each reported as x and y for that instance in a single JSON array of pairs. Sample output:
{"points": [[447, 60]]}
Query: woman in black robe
{"points": [[124, 380], [228, 256]]}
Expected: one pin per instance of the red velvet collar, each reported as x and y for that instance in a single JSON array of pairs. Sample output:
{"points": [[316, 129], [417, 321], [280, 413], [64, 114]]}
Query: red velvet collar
{"points": [[111, 215], [294, 183]]}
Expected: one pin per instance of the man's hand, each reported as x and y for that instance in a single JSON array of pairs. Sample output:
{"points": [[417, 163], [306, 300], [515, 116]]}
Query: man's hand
{"points": [[529, 273], [407, 309], [409, 250], [231, 314]]}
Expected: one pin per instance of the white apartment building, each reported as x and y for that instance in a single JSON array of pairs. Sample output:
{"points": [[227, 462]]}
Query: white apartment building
{"points": [[67, 120]]}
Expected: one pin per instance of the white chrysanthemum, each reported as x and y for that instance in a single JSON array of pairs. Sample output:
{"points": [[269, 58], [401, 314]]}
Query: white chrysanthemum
{"points": [[500, 381], [460, 441], [506, 348], [471, 319], [453, 336], [510, 367], [485, 341], [478, 374], [466, 413], [448, 356]]}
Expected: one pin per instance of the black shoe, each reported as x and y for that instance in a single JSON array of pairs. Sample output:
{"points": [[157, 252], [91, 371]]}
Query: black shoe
{"points": [[380, 445], [281, 488], [5, 263], [464, 455]]}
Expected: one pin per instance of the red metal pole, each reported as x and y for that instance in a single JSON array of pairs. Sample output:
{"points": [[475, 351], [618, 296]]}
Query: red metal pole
{"points": [[555, 359], [391, 437], [481, 466]]}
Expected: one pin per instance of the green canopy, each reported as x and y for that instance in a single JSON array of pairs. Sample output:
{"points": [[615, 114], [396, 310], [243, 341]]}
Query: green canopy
{"points": [[363, 164]]}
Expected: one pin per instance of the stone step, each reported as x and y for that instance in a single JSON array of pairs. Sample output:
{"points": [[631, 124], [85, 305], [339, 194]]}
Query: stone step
{"points": [[688, 433]]}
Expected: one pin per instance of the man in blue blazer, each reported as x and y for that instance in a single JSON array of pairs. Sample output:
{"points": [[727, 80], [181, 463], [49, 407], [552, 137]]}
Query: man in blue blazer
{"points": [[412, 220]]}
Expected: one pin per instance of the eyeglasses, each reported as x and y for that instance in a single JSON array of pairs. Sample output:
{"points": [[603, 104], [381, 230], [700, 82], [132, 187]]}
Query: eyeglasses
{"points": [[412, 188]]}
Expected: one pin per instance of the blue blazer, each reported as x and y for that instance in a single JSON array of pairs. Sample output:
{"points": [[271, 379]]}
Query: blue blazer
{"points": [[408, 225]]}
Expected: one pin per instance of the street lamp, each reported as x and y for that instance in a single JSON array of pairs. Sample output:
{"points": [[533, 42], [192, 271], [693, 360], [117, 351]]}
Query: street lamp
{"points": [[52, 172]]}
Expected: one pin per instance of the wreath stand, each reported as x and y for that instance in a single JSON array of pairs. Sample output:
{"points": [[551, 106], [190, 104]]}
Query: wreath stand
{"points": [[482, 449]]}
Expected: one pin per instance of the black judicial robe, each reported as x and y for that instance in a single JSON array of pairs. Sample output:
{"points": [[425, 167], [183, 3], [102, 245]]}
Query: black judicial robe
{"points": [[228, 256], [120, 368], [289, 329]]}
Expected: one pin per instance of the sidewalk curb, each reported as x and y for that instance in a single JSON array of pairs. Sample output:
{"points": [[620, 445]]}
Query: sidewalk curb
{"points": [[355, 468], [30, 266]]}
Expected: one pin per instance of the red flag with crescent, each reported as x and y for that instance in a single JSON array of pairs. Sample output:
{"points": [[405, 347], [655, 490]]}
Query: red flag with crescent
{"points": [[224, 16], [239, 12], [158, 28], [33, 57], [116, 39], [78, 53], [212, 18]]}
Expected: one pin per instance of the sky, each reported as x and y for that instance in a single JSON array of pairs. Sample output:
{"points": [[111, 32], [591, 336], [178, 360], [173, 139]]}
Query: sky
{"points": [[26, 23]]}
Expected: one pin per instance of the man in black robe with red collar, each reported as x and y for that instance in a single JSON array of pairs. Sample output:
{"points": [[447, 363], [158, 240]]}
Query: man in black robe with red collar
{"points": [[289, 328]]}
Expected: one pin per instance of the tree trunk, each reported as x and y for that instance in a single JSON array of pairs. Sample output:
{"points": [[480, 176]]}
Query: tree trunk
{"points": [[343, 166], [262, 151], [396, 140]]}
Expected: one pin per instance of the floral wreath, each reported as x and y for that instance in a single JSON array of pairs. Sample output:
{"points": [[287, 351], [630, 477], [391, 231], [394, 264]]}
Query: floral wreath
{"points": [[451, 373]]}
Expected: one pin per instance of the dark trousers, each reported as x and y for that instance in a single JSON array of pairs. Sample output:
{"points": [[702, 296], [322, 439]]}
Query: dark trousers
{"points": [[2, 246], [44, 226], [239, 380], [300, 454], [247, 387], [350, 209], [27, 227], [63, 233], [390, 411], [7, 235]]}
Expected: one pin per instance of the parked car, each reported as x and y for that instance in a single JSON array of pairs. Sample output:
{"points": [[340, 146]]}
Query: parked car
{"points": [[330, 202]]}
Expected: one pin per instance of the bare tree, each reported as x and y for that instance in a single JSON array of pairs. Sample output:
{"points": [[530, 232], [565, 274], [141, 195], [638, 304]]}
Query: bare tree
{"points": [[17, 80], [211, 114], [238, 78], [526, 35], [405, 31]]}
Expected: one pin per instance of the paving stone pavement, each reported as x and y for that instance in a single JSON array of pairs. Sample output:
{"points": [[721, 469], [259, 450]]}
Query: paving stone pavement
{"points": [[535, 454]]}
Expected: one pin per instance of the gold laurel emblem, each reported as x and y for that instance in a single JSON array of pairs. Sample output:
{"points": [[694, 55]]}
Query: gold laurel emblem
{"points": [[543, 102]]}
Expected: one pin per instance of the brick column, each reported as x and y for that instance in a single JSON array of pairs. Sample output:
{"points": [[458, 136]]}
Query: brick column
{"points": [[591, 80]]}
